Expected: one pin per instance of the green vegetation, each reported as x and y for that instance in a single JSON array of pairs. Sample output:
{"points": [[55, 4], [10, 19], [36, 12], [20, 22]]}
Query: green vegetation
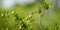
{"points": [[30, 17]]}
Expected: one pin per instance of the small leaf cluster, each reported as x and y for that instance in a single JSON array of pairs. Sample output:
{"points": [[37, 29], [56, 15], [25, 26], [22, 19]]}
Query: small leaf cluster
{"points": [[46, 5], [22, 23]]}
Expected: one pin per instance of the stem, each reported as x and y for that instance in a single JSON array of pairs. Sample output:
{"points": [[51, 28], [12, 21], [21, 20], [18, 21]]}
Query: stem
{"points": [[42, 15]]}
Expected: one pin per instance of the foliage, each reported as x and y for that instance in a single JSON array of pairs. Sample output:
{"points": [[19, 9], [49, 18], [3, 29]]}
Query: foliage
{"points": [[24, 23]]}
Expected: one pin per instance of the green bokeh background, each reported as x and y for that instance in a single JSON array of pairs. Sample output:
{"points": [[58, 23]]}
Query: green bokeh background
{"points": [[48, 21]]}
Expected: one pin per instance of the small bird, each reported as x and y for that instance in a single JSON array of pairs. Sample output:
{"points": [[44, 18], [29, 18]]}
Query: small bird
{"points": [[30, 16]]}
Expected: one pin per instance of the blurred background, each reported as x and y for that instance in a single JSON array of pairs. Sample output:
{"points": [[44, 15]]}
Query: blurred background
{"points": [[11, 3], [24, 8]]}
